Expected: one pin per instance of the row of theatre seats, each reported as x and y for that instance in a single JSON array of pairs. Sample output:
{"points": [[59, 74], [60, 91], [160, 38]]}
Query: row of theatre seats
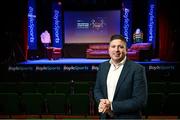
{"points": [[64, 98], [76, 98], [50, 103], [163, 98]]}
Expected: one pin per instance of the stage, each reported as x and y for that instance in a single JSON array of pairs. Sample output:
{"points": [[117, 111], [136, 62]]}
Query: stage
{"points": [[83, 65], [63, 61]]}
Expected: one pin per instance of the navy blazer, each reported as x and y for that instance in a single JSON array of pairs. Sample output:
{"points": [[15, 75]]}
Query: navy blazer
{"points": [[131, 91]]}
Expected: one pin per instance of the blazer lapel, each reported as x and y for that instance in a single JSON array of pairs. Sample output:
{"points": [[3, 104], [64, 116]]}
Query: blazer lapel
{"points": [[106, 70], [122, 76]]}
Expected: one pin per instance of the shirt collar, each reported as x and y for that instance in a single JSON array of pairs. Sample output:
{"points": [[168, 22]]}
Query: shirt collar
{"points": [[119, 64]]}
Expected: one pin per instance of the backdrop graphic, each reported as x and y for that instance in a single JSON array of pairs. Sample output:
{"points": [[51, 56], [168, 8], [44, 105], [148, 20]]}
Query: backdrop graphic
{"points": [[90, 26]]}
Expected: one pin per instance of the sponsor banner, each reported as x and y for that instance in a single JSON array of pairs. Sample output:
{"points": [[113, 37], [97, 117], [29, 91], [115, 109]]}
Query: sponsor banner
{"points": [[32, 32], [57, 25], [53, 68], [83, 67], [151, 34]]}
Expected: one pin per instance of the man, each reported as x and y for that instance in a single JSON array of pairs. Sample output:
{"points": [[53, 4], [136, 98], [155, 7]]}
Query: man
{"points": [[121, 85]]}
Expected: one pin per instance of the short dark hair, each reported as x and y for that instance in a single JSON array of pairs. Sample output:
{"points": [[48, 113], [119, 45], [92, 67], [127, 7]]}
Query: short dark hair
{"points": [[113, 37]]}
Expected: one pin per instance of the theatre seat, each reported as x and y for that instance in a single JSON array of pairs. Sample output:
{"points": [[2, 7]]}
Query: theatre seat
{"points": [[9, 104], [172, 104], [54, 53], [78, 104], [82, 87], [56, 103], [154, 104], [33, 103]]}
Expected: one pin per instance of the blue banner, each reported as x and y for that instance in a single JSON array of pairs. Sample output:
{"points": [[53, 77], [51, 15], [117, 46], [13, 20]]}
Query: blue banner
{"points": [[126, 21], [32, 32], [57, 25], [151, 34]]}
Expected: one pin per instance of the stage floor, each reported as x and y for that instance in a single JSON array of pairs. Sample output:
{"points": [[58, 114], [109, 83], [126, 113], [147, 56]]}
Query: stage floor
{"points": [[65, 61], [80, 61]]}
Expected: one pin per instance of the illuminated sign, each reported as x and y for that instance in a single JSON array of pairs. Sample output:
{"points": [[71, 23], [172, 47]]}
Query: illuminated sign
{"points": [[151, 34], [32, 38], [126, 24], [56, 25]]}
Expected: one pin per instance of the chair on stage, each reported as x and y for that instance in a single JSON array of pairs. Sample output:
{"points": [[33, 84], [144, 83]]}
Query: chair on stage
{"points": [[54, 53], [137, 51], [140, 52], [97, 51]]}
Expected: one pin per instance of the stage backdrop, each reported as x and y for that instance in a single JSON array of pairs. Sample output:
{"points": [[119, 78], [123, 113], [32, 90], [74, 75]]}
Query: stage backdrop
{"points": [[91, 26]]}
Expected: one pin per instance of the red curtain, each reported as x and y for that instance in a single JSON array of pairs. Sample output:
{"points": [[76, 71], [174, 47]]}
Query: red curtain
{"points": [[25, 29], [166, 40]]}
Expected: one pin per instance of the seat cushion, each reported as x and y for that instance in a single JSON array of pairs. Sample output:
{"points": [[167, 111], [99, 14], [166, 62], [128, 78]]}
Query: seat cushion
{"points": [[99, 46]]}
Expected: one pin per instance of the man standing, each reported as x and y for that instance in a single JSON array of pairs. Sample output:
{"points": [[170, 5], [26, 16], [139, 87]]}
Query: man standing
{"points": [[121, 85]]}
